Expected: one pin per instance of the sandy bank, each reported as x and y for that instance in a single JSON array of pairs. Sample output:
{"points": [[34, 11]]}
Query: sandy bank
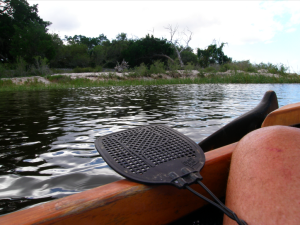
{"points": [[112, 75]]}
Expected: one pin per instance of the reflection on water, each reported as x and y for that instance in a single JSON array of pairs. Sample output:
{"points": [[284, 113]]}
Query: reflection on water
{"points": [[47, 138]]}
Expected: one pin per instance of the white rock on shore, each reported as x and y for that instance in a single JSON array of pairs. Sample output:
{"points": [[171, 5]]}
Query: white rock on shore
{"points": [[90, 75], [192, 73], [22, 80]]}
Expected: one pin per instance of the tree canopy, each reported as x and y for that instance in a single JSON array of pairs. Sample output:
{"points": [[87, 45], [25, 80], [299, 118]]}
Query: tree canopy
{"points": [[212, 55], [147, 50], [17, 20], [24, 34], [90, 42]]}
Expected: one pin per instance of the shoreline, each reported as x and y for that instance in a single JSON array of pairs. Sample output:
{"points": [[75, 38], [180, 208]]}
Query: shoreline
{"points": [[95, 79], [107, 75]]}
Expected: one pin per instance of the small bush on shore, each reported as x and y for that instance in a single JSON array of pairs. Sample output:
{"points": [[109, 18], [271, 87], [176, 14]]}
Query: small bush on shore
{"points": [[6, 83], [246, 66], [2, 70], [173, 68], [278, 69], [157, 67], [224, 67], [201, 74], [189, 68], [141, 71], [59, 79], [210, 69], [40, 67], [20, 70]]}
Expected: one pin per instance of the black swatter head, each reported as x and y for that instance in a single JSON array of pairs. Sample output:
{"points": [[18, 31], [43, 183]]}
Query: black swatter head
{"points": [[154, 154]]}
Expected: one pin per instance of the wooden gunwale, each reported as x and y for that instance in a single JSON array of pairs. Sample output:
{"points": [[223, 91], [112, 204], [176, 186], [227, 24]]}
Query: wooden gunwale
{"points": [[127, 202], [286, 115]]}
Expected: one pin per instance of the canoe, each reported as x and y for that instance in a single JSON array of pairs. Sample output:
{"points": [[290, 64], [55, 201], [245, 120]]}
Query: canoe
{"points": [[128, 202]]}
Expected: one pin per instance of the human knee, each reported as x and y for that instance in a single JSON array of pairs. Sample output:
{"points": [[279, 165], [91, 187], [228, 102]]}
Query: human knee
{"points": [[265, 172], [270, 139], [268, 150]]}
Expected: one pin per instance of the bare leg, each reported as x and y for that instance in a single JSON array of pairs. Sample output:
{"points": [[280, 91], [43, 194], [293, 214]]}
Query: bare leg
{"points": [[264, 179]]}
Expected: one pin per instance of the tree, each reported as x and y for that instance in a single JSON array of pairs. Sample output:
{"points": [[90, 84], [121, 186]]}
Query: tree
{"points": [[58, 45], [99, 55], [90, 42], [212, 55], [188, 55], [147, 50], [75, 55], [6, 8], [31, 41], [176, 42], [110, 52], [121, 37], [16, 15]]}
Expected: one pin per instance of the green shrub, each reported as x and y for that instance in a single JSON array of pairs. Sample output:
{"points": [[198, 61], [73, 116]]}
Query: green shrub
{"points": [[59, 79], [224, 67], [201, 74], [20, 70], [188, 68], [142, 71], [157, 67], [5, 83], [188, 56], [241, 65], [112, 75], [2, 70], [40, 66], [251, 69], [277, 69], [210, 69], [98, 69], [173, 68]]}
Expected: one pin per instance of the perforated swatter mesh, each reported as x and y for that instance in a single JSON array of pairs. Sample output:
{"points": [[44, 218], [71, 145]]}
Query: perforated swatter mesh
{"points": [[139, 149]]}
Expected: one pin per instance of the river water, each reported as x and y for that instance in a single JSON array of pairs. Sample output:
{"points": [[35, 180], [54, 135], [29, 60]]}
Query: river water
{"points": [[47, 138]]}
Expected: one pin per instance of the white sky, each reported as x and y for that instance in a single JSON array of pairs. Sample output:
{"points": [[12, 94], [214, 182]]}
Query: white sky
{"points": [[267, 31]]}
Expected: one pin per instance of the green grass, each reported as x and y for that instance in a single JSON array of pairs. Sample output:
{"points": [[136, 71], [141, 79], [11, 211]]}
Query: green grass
{"points": [[65, 82]]}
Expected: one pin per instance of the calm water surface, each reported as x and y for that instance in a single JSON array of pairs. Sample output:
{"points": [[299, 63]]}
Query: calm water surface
{"points": [[47, 138]]}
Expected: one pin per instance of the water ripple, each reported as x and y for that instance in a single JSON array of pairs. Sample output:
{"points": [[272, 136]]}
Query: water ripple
{"points": [[47, 138]]}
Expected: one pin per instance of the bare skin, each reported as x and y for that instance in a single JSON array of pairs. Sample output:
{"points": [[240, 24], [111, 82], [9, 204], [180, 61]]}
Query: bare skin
{"points": [[264, 179]]}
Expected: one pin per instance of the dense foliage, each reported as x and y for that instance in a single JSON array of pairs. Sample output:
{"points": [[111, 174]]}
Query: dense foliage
{"points": [[89, 42], [23, 32], [25, 43], [147, 50], [212, 55]]}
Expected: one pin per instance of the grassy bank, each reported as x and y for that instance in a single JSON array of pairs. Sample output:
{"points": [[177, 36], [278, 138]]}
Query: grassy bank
{"points": [[65, 82]]}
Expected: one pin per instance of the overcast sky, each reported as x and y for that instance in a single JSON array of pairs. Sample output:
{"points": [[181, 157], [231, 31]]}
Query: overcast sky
{"points": [[267, 31]]}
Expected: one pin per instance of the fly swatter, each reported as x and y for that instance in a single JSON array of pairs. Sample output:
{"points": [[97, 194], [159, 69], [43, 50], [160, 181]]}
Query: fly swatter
{"points": [[157, 154]]}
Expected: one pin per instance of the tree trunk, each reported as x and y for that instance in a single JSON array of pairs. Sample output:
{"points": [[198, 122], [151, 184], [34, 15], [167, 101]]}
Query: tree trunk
{"points": [[163, 55], [179, 57]]}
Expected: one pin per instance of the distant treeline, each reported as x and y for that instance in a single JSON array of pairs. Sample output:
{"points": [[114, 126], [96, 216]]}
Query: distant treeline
{"points": [[24, 38]]}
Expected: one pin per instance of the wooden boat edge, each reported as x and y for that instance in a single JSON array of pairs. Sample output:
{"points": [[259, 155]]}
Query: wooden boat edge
{"points": [[286, 115]]}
